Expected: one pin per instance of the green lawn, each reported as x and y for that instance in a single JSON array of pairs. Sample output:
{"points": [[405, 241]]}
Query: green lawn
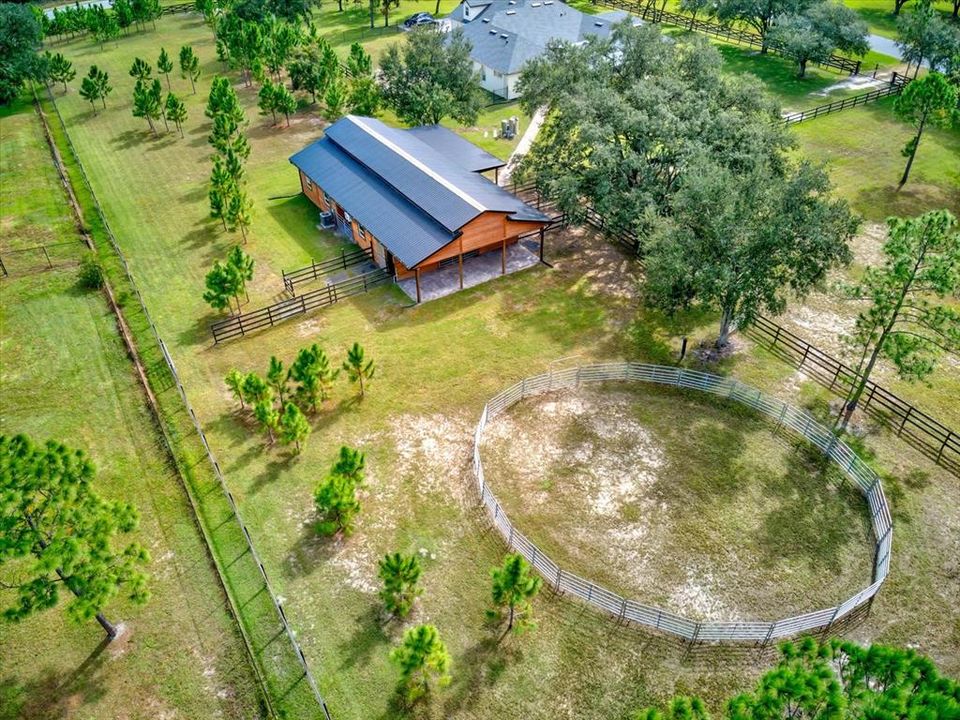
{"points": [[65, 375], [861, 148], [437, 363], [878, 14]]}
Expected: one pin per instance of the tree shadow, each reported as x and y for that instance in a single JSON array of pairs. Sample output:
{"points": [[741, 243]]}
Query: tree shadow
{"points": [[275, 467], [130, 138], [479, 668], [819, 513], [309, 551], [55, 693], [368, 636]]}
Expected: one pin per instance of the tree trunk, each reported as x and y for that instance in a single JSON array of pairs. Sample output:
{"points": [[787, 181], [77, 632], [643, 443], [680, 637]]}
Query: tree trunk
{"points": [[192, 84], [165, 125], [180, 128], [108, 627], [803, 69], [103, 99], [360, 377], [287, 116], [913, 152], [437, 11], [898, 5], [726, 323], [371, 13], [64, 87], [510, 621], [167, 75], [150, 123]]}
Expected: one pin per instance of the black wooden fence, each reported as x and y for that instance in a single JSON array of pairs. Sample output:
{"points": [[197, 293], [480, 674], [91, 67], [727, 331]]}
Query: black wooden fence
{"points": [[244, 323], [894, 87], [316, 270], [177, 8], [931, 437], [650, 13]]}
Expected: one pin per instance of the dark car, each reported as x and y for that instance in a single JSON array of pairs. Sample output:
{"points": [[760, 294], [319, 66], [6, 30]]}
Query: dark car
{"points": [[420, 18]]}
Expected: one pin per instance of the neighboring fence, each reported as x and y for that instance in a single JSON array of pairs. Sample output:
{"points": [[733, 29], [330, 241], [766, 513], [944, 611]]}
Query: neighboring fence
{"points": [[316, 270], [39, 256], [630, 611], [936, 440], [255, 652], [244, 323], [895, 87], [932, 438], [177, 9], [650, 13]]}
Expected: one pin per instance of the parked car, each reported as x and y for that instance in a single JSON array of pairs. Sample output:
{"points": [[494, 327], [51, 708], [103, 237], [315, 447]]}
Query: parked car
{"points": [[420, 18]]}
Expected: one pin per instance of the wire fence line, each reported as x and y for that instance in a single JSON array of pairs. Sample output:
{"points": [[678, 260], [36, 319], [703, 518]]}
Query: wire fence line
{"points": [[631, 611], [896, 85], [294, 645]]}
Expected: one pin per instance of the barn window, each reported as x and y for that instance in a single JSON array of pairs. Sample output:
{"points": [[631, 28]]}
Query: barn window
{"points": [[308, 184], [361, 232]]}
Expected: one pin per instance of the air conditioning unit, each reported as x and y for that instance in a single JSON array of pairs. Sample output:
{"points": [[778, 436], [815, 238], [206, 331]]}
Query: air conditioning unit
{"points": [[328, 220]]}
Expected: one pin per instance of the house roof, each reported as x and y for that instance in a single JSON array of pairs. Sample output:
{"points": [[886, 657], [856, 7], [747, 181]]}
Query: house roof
{"points": [[408, 194], [505, 34]]}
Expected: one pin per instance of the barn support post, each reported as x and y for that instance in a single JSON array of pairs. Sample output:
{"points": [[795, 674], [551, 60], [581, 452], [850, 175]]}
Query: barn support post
{"points": [[460, 262], [416, 272], [503, 257], [542, 233]]}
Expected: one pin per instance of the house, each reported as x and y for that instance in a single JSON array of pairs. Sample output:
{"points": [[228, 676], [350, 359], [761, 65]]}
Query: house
{"points": [[505, 34], [418, 200]]}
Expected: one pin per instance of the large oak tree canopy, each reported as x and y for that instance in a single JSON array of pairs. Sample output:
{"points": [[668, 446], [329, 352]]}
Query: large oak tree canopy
{"points": [[662, 143]]}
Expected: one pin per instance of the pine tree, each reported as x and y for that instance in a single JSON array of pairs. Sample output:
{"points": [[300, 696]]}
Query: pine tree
{"points": [[267, 100], [268, 417], [238, 213], [284, 102], [140, 70], [49, 512], [176, 110], [165, 65], [146, 102], [400, 575], [61, 70], [350, 464], [337, 504], [256, 390], [189, 66], [234, 381], [294, 427], [514, 586], [423, 660], [277, 376], [314, 377], [357, 368], [243, 265], [335, 99], [222, 283]]}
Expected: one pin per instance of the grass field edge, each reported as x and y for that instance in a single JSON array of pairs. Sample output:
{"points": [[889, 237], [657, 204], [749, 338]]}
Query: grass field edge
{"points": [[203, 503]]}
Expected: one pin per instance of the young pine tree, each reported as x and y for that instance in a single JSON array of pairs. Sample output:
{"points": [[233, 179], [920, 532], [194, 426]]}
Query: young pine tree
{"points": [[268, 417], [175, 110], [284, 102], [357, 367], [277, 377], [514, 586], [165, 65], [61, 70], [423, 661], [294, 427], [140, 70], [400, 575], [189, 66], [234, 381], [337, 504], [256, 390]]}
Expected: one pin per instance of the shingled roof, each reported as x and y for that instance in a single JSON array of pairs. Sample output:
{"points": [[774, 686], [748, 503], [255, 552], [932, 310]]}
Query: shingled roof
{"points": [[505, 34], [413, 198]]}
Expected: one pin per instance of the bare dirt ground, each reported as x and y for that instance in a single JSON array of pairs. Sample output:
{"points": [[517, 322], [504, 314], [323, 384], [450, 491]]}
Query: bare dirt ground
{"points": [[714, 517]]}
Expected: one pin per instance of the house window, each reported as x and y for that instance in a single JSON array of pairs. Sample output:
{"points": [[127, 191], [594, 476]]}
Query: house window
{"points": [[328, 200], [347, 216], [483, 73], [308, 184], [361, 232]]}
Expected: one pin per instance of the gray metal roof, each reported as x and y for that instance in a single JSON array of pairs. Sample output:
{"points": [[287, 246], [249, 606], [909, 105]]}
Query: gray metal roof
{"points": [[453, 147], [505, 34], [411, 197]]}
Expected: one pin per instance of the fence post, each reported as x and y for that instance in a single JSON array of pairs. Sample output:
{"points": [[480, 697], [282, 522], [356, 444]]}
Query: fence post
{"points": [[905, 418]]}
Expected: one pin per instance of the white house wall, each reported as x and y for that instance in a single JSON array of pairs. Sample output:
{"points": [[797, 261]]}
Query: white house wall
{"points": [[504, 86]]}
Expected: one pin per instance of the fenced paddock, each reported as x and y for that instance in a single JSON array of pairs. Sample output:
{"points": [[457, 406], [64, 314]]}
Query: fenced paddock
{"points": [[758, 632], [317, 270], [894, 87]]}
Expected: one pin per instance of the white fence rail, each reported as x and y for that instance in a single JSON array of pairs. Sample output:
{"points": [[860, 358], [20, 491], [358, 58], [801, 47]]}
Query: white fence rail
{"points": [[626, 610]]}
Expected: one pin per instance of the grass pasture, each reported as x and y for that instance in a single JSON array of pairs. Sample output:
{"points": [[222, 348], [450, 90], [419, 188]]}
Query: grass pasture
{"points": [[437, 363], [65, 375]]}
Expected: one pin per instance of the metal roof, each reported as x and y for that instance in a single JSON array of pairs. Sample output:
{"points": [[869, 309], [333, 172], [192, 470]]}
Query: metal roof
{"points": [[506, 34], [411, 197], [410, 234], [453, 147]]}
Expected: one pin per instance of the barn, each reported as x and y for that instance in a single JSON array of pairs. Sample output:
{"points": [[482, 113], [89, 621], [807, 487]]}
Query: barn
{"points": [[418, 199]]}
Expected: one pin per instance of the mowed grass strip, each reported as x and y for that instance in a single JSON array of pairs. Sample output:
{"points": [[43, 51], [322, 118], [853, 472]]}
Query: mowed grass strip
{"points": [[65, 376], [278, 666], [437, 364]]}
